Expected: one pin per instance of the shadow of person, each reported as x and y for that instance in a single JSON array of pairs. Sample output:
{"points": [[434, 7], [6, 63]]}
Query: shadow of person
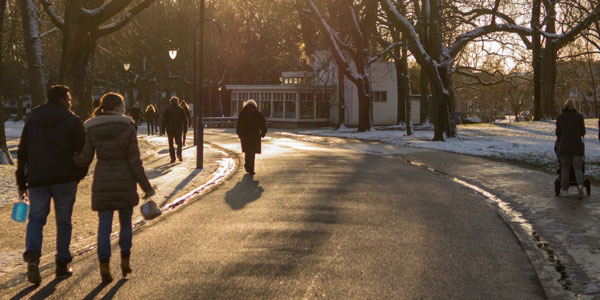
{"points": [[244, 192], [43, 293], [95, 291], [113, 291]]}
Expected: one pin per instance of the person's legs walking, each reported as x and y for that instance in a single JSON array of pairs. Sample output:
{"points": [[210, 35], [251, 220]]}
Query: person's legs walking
{"points": [[179, 149], [565, 168], [64, 199], [578, 170], [39, 208], [249, 162], [171, 148], [104, 229], [125, 237]]}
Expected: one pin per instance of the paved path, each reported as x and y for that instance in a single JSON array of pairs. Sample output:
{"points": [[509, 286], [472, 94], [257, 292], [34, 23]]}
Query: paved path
{"points": [[318, 222]]}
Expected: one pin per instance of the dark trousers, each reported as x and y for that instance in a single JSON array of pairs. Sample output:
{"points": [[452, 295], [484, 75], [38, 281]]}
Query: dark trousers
{"points": [[184, 135], [249, 161], [177, 139], [151, 128]]}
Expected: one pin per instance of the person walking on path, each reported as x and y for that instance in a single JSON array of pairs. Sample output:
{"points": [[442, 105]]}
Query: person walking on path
{"points": [[251, 128], [150, 118], [186, 109], [45, 171], [136, 114], [175, 122], [570, 130], [112, 137]]}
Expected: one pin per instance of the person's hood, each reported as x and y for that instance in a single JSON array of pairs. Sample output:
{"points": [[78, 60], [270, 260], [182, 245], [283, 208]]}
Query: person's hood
{"points": [[49, 114], [107, 126]]}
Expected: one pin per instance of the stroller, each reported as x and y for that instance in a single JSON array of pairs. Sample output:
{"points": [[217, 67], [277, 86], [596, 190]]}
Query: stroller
{"points": [[572, 181]]}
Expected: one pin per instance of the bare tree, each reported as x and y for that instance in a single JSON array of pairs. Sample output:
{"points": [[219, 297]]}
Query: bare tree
{"points": [[82, 26], [33, 49], [5, 158]]}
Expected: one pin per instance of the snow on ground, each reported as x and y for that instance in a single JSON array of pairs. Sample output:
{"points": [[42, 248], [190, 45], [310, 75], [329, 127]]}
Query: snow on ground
{"points": [[13, 129], [530, 142]]}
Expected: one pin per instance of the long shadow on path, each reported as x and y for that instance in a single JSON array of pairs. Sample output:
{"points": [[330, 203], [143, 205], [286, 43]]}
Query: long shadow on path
{"points": [[244, 192]]}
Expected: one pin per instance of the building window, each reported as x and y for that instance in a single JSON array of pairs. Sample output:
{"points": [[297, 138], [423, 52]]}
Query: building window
{"points": [[278, 96], [290, 109], [234, 96], [290, 96], [254, 96], [307, 109], [323, 110], [266, 96], [380, 96], [265, 108], [277, 109]]}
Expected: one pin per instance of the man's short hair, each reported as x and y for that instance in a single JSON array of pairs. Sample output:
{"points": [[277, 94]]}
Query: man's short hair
{"points": [[57, 93], [174, 101]]}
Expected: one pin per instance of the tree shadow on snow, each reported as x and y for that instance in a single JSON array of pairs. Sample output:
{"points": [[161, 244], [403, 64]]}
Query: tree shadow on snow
{"points": [[244, 192]]}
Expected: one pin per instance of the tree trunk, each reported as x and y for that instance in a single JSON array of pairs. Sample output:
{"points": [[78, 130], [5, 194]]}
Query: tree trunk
{"points": [[536, 52], [364, 101], [401, 117], [76, 68], [341, 105], [548, 80], [5, 157], [33, 49], [424, 84], [404, 90]]}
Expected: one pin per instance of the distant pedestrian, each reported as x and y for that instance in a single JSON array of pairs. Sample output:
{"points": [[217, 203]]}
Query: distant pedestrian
{"points": [[157, 119], [251, 128], [136, 114], [45, 171], [175, 122], [570, 130], [112, 137], [186, 109], [150, 118]]}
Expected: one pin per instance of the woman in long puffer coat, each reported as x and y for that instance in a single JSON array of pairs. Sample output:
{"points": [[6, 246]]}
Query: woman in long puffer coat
{"points": [[112, 137]]}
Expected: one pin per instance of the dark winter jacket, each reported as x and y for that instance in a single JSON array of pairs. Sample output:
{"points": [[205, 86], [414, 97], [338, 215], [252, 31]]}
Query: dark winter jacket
{"points": [[50, 137], [186, 110], [250, 128], [174, 120], [112, 137], [570, 130], [136, 114]]}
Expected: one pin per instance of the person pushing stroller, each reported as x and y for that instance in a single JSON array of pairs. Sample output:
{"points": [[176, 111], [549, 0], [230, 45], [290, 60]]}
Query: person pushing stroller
{"points": [[570, 130]]}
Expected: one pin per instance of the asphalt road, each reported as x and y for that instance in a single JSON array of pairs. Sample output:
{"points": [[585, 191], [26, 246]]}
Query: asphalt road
{"points": [[316, 223]]}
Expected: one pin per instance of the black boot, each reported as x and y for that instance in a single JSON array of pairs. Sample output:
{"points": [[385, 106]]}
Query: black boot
{"points": [[63, 270], [33, 271]]}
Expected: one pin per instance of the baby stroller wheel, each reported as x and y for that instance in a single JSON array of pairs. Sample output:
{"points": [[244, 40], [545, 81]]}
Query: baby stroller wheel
{"points": [[557, 186], [588, 186]]}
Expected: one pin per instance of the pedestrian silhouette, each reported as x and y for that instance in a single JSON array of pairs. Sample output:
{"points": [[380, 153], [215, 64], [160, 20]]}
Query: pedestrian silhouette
{"points": [[251, 128], [175, 122]]}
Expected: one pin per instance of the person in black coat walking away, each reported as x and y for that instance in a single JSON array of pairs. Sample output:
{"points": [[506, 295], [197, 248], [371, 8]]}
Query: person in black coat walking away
{"points": [[174, 121], [150, 119], [136, 114], [45, 171], [186, 109], [570, 130], [251, 127]]}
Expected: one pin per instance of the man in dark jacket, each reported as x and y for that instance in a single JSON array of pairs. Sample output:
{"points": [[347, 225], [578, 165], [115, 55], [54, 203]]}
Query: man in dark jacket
{"points": [[570, 129], [136, 114], [45, 170], [175, 121], [251, 128]]}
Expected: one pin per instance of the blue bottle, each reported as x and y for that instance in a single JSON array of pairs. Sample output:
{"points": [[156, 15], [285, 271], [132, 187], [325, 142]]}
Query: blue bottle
{"points": [[19, 212]]}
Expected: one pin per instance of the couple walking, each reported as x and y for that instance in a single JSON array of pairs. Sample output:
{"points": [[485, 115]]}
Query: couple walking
{"points": [[54, 154]]}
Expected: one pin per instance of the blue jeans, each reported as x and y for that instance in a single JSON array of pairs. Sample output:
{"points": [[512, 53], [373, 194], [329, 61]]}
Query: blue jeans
{"points": [[105, 228], [39, 198]]}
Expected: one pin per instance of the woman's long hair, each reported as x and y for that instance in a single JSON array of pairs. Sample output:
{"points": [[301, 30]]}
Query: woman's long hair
{"points": [[108, 102], [184, 104], [150, 109]]}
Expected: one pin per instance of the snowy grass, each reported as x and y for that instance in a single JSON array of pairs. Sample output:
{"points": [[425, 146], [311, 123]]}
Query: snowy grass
{"points": [[527, 142]]}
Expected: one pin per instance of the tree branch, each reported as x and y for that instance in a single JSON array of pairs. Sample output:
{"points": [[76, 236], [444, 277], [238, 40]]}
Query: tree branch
{"points": [[51, 12], [124, 20]]}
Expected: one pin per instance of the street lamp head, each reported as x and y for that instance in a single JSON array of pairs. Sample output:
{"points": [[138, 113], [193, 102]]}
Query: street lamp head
{"points": [[126, 66], [220, 88], [173, 53]]}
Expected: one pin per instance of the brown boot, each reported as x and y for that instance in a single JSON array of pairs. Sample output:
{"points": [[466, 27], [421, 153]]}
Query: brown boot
{"points": [[33, 271], [125, 268], [105, 272]]}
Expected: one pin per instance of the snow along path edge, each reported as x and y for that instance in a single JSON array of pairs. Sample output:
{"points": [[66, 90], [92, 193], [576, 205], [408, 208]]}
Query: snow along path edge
{"points": [[228, 165], [551, 273]]}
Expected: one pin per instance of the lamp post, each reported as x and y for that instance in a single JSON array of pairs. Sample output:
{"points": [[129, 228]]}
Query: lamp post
{"points": [[198, 75]]}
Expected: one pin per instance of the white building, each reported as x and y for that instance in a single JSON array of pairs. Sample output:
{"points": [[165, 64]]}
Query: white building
{"points": [[311, 99]]}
